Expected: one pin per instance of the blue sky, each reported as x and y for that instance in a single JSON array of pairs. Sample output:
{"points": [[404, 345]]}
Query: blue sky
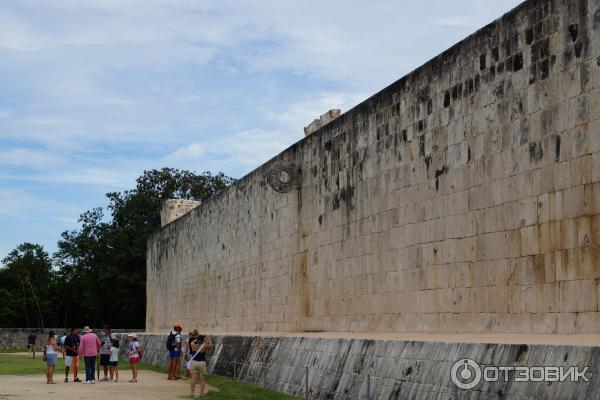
{"points": [[93, 92]]}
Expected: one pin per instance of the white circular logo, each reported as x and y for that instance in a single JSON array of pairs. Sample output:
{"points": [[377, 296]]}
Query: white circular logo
{"points": [[465, 373]]}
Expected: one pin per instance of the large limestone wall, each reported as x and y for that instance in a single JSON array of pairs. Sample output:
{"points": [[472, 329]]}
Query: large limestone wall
{"points": [[464, 197]]}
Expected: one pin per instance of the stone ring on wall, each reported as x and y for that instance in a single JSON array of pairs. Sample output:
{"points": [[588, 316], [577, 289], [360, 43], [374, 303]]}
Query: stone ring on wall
{"points": [[283, 176]]}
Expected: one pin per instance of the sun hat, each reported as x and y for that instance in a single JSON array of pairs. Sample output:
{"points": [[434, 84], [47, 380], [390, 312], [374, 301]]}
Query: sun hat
{"points": [[177, 325], [86, 329], [194, 332], [133, 335]]}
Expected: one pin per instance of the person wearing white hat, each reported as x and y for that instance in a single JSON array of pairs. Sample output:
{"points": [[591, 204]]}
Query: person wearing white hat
{"points": [[134, 353]]}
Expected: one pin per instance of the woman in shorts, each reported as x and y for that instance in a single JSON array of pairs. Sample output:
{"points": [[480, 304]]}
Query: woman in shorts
{"points": [[51, 356], [197, 365]]}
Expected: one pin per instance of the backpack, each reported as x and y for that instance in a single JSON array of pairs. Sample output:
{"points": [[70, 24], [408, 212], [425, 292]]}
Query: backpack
{"points": [[171, 343]]}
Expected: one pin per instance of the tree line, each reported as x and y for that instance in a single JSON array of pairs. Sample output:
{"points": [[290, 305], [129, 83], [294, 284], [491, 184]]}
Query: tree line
{"points": [[98, 273]]}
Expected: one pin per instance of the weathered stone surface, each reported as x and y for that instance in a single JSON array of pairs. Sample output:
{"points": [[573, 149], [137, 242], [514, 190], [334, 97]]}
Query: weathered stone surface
{"points": [[338, 369], [175, 208], [455, 200]]}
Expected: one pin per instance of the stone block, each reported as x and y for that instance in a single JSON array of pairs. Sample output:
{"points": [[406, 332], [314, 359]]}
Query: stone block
{"points": [[530, 240], [578, 296]]}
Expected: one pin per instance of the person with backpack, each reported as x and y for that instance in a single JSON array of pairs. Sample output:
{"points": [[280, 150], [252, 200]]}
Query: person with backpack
{"points": [[174, 348]]}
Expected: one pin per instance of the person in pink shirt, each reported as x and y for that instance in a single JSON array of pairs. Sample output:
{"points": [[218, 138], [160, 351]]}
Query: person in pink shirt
{"points": [[88, 347]]}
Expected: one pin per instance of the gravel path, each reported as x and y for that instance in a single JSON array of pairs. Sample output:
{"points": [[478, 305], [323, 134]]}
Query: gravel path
{"points": [[151, 386]]}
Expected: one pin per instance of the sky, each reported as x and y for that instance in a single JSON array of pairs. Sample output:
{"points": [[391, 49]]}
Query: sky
{"points": [[94, 92]]}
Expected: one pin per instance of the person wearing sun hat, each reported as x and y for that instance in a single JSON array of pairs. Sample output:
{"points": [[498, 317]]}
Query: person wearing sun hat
{"points": [[134, 353], [88, 347]]}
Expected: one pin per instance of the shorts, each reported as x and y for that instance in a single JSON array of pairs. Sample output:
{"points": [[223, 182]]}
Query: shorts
{"points": [[70, 361], [104, 359], [51, 359], [134, 360], [30, 345], [198, 367], [113, 363], [174, 354]]}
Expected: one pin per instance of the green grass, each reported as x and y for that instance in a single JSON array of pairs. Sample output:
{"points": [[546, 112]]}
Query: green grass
{"points": [[22, 365], [12, 350], [228, 389]]}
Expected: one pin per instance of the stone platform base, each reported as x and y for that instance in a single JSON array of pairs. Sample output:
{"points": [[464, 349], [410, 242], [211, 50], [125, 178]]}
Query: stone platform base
{"points": [[343, 368]]}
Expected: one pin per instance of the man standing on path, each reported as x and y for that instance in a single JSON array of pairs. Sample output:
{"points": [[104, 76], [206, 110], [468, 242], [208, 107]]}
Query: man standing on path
{"points": [[106, 338], [89, 346], [71, 345], [31, 343], [174, 347]]}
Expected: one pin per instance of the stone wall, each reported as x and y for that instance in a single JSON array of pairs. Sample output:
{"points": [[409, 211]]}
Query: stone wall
{"points": [[16, 338], [175, 208], [338, 368], [465, 197]]}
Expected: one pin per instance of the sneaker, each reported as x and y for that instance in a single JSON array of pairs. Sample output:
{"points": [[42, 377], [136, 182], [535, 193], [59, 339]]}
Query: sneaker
{"points": [[66, 380], [87, 382], [93, 381], [76, 380]]}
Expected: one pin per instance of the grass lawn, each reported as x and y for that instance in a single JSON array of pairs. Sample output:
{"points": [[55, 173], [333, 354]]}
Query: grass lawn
{"points": [[228, 389], [13, 350]]}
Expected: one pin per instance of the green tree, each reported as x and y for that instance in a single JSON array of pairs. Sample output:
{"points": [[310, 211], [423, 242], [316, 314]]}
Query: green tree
{"points": [[27, 281], [103, 264]]}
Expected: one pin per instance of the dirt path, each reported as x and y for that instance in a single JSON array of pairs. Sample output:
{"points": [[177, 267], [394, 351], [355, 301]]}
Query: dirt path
{"points": [[151, 386]]}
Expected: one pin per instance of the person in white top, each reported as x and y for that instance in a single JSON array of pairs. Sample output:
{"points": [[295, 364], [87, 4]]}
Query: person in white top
{"points": [[133, 353], [51, 352], [114, 361]]}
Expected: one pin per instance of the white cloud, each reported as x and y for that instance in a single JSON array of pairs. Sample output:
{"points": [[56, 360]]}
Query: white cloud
{"points": [[298, 115], [187, 153], [21, 204], [95, 92], [37, 159]]}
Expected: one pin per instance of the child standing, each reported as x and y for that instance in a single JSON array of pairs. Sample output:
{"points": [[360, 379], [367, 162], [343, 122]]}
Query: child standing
{"points": [[133, 353], [114, 361]]}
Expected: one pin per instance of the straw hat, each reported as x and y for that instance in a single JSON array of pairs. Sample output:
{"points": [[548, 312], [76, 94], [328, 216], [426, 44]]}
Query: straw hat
{"points": [[133, 335], [86, 329]]}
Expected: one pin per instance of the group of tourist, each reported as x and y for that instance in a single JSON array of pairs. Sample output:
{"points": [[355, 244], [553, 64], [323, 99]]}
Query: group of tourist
{"points": [[193, 353], [104, 349]]}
